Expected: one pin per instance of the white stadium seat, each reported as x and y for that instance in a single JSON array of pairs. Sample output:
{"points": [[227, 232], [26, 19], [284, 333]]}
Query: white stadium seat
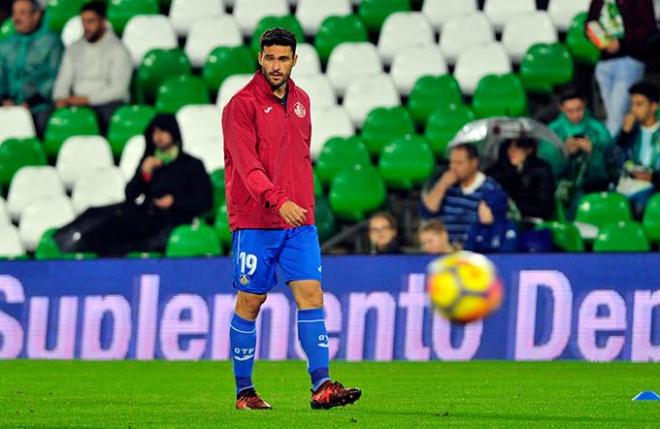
{"points": [[403, 30], [199, 122], [438, 12], [82, 155], [73, 30], [210, 152], [42, 215], [412, 63], [522, 31], [352, 61], [562, 12], [230, 87], [500, 11], [364, 95], [146, 32], [311, 13], [328, 122], [479, 61], [209, 33], [131, 156], [102, 188], [463, 32], [31, 184], [11, 245], [15, 122], [308, 63], [183, 13], [249, 12], [4, 213], [319, 89]]}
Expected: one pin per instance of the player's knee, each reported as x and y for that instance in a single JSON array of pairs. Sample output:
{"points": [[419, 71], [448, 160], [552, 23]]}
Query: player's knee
{"points": [[248, 305]]}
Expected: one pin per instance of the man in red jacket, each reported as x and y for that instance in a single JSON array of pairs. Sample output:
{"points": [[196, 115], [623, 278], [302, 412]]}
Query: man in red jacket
{"points": [[270, 197]]}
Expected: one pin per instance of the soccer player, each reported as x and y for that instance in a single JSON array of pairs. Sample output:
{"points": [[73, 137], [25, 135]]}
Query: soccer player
{"points": [[270, 200]]}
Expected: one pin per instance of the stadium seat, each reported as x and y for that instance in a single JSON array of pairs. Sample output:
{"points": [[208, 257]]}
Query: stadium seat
{"points": [[563, 11], [5, 219], [32, 184], [221, 226], [374, 12], [328, 122], [335, 30], [131, 156], [324, 219], [463, 32], [230, 87], [319, 89], [438, 12], [500, 11], [412, 63], [81, 156], [479, 61], [383, 125], [565, 236], [144, 33], [431, 92], [311, 13], [225, 61], [16, 154], [318, 186], [41, 216], [249, 12], [406, 162], [16, 123], [209, 33], [126, 122], [622, 236], [183, 13], [545, 66], [402, 31], [58, 12], [121, 12], [523, 31], [193, 240], [157, 66], [11, 246], [501, 95], [308, 63], [366, 94], [578, 44], [356, 192], [651, 220], [48, 249], [218, 182], [72, 31], [66, 122], [6, 29], [350, 62], [102, 188], [179, 91], [603, 208], [209, 151], [338, 154], [288, 22], [199, 122], [443, 124]]}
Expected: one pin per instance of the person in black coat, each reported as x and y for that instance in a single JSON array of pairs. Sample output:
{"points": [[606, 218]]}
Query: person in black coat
{"points": [[168, 189]]}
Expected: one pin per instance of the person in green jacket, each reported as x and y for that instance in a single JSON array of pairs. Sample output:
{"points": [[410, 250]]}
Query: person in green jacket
{"points": [[29, 60]]}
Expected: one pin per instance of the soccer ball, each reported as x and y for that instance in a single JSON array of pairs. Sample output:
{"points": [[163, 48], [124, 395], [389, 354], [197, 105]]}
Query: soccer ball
{"points": [[464, 286]]}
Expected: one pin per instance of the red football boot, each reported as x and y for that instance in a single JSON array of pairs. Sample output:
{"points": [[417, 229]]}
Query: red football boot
{"points": [[249, 400], [333, 394]]}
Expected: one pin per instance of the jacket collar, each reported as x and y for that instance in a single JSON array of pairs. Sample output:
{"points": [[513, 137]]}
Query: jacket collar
{"points": [[264, 87]]}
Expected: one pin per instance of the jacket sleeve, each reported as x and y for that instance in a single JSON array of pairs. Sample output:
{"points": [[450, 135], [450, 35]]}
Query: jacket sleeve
{"points": [[546, 192], [137, 184], [198, 197], [51, 65], [120, 78], [241, 143]]}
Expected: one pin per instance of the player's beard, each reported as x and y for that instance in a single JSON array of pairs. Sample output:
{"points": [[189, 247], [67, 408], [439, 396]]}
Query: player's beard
{"points": [[275, 86]]}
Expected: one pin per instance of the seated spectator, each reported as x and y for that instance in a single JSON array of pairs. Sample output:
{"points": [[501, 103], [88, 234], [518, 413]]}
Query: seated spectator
{"points": [[526, 178], [464, 196], [640, 139], [29, 60], [433, 238], [96, 70], [169, 188], [383, 234]]}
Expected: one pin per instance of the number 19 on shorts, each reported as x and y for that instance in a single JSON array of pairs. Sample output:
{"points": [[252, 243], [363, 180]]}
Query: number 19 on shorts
{"points": [[248, 262]]}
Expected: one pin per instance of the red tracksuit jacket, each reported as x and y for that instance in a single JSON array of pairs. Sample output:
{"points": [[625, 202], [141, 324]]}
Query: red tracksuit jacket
{"points": [[267, 158]]}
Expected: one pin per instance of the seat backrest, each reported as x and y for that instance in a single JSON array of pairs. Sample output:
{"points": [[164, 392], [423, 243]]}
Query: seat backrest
{"points": [[196, 240], [311, 13], [4, 213], [383, 125], [438, 12], [179, 91], [126, 122], [412, 63], [603, 208], [443, 124], [401, 31], [225, 61], [82, 155], [103, 187], [210, 151], [72, 31], [339, 153], [406, 162], [651, 220], [131, 156], [43, 215], [522, 31], [287, 22], [230, 87], [308, 63], [563, 11], [18, 153], [499, 95], [479, 61], [350, 62], [11, 245], [157, 66], [622, 236], [431, 92], [366, 94], [327, 122], [146, 32], [200, 122], [464, 31], [121, 12], [67, 122], [249, 12], [374, 12], [31, 184], [354, 192], [335, 30], [183, 13], [319, 89], [499, 11], [16, 123], [208, 33]]}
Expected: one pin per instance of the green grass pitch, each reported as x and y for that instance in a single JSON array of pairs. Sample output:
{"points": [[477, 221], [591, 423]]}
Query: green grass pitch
{"points": [[396, 395]]}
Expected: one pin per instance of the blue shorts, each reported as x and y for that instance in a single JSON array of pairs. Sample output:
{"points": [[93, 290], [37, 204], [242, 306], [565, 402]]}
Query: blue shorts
{"points": [[256, 252]]}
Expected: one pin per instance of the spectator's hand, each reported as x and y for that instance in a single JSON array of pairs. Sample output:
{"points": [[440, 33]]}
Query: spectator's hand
{"points": [[164, 202], [613, 46], [76, 100], [572, 146], [629, 123], [585, 145], [292, 213], [485, 214], [646, 176], [8, 103], [447, 180]]}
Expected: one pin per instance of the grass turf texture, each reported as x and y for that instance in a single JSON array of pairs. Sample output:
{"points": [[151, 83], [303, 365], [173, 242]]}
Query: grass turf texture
{"points": [[400, 395]]}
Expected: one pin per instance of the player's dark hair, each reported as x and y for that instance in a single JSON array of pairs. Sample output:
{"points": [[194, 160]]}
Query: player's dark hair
{"points": [[647, 89], [97, 7], [279, 37], [387, 216], [472, 151], [432, 225], [570, 92]]}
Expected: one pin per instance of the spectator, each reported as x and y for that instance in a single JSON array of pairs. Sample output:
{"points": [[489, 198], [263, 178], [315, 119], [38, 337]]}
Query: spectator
{"points": [[627, 26], [28, 63], [433, 238], [96, 70], [640, 138], [526, 178], [169, 188], [464, 196], [383, 234]]}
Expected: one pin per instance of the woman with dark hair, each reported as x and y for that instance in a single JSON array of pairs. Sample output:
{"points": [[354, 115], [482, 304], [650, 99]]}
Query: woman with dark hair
{"points": [[169, 188]]}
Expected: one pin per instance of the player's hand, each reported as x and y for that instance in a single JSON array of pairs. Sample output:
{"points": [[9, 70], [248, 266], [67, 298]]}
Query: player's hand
{"points": [[629, 122], [164, 202], [485, 214], [150, 164], [292, 213]]}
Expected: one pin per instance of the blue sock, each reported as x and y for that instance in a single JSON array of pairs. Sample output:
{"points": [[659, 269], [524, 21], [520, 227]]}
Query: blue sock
{"points": [[243, 340], [314, 341]]}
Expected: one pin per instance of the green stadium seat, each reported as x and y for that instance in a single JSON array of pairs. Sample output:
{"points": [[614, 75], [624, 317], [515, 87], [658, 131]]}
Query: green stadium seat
{"points": [[16, 154], [431, 92], [340, 153], [578, 44], [545, 66], [384, 124], [406, 162], [623, 236], [126, 122], [601, 209], [193, 240], [157, 66], [179, 91], [443, 124], [144, 255], [565, 236], [499, 95], [121, 11], [318, 186], [356, 192], [7, 28], [225, 61], [374, 12], [651, 220], [338, 29], [221, 226], [218, 182], [48, 249], [58, 12], [67, 122], [288, 22], [325, 220]]}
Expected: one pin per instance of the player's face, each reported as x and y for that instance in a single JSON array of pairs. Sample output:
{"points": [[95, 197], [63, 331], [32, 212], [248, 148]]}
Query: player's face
{"points": [[381, 232], [276, 64], [642, 108], [433, 242], [573, 108], [462, 166], [25, 17], [93, 26], [162, 139]]}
